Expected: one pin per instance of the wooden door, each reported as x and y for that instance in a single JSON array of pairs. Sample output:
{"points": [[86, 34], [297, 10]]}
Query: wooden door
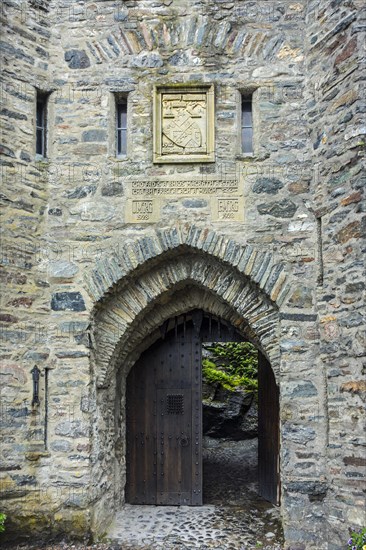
{"points": [[268, 432], [164, 422]]}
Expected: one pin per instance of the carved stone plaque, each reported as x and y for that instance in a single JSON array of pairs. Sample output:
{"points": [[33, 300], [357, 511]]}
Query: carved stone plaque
{"points": [[178, 186], [147, 195], [184, 124], [227, 208], [142, 210]]}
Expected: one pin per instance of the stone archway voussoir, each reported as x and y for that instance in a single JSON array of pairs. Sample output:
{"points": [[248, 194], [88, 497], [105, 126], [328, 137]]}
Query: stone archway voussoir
{"points": [[118, 314]]}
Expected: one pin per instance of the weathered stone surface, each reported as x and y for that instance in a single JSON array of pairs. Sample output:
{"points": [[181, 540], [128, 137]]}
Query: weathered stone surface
{"points": [[37, 355], [354, 386], [7, 151], [81, 192], [287, 272], [12, 114], [62, 269], [89, 211], [55, 211], [24, 301], [298, 187], [306, 389], [147, 60], [74, 429], [353, 198], [279, 209], [229, 414], [67, 301], [267, 185], [194, 203], [17, 413], [22, 480], [94, 135], [7, 318], [112, 190], [61, 445], [302, 297], [77, 59], [351, 231], [307, 487], [72, 354], [355, 461], [25, 156], [299, 434]]}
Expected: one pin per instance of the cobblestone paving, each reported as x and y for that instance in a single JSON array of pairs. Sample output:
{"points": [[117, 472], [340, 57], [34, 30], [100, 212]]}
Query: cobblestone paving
{"points": [[233, 516]]}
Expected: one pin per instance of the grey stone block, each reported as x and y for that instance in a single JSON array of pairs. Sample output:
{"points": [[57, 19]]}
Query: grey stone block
{"points": [[77, 59], [71, 301]]}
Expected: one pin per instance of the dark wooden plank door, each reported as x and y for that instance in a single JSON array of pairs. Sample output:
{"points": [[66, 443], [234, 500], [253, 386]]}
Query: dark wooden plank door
{"points": [[164, 422], [268, 432]]}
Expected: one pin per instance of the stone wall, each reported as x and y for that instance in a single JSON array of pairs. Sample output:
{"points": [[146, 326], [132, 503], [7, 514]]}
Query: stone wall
{"points": [[25, 300], [81, 278], [336, 115]]}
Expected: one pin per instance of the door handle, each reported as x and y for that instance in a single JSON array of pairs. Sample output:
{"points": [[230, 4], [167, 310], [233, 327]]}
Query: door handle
{"points": [[184, 441]]}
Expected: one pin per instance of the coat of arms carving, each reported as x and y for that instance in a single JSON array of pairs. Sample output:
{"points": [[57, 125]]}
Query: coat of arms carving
{"points": [[184, 124]]}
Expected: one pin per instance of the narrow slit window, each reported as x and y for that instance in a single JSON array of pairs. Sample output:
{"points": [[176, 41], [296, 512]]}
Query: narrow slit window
{"points": [[121, 112], [41, 125], [246, 125]]}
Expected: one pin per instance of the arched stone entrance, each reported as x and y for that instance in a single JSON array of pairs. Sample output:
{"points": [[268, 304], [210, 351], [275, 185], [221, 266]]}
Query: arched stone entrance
{"points": [[164, 416], [151, 281]]}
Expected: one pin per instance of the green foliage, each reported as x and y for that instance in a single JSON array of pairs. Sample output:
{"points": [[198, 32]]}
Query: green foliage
{"points": [[357, 540], [232, 364], [2, 521], [237, 358]]}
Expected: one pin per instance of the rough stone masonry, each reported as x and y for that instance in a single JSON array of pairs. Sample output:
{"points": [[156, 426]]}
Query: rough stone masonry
{"points": [[100, 248]]}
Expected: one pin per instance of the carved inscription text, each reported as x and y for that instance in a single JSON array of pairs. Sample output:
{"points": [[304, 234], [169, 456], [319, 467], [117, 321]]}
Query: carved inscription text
{"points": [[227, 208], [146, 195], [186, 187], [142, 211]]}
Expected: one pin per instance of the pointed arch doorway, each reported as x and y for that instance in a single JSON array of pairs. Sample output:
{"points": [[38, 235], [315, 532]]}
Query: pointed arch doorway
{"points": [[164, 416]]}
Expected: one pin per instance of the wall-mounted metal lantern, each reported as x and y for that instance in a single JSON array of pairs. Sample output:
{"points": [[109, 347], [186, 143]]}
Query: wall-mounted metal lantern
{"points": [[35, 372]]}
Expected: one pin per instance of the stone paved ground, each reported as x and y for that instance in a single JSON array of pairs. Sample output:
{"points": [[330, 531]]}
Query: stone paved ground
{"points": [[233, 516]]}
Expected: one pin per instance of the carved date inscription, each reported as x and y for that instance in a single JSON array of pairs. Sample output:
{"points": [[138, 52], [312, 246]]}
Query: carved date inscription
{"points": [[228, 209], [142, 211], [145, 196]]}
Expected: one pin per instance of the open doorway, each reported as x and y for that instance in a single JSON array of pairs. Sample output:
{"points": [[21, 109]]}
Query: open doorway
{"points": [[229, 422], [240, 459], [165, 440]]}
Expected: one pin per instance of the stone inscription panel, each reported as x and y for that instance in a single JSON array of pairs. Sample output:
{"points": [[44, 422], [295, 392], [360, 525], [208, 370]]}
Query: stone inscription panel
{"points": [[187, 187], [142, 210], [228, 209], [145, 196], [184, 124]]}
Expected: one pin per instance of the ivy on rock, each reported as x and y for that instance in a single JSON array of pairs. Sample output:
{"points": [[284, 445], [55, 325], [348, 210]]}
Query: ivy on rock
{"points": [[231, 364]]}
